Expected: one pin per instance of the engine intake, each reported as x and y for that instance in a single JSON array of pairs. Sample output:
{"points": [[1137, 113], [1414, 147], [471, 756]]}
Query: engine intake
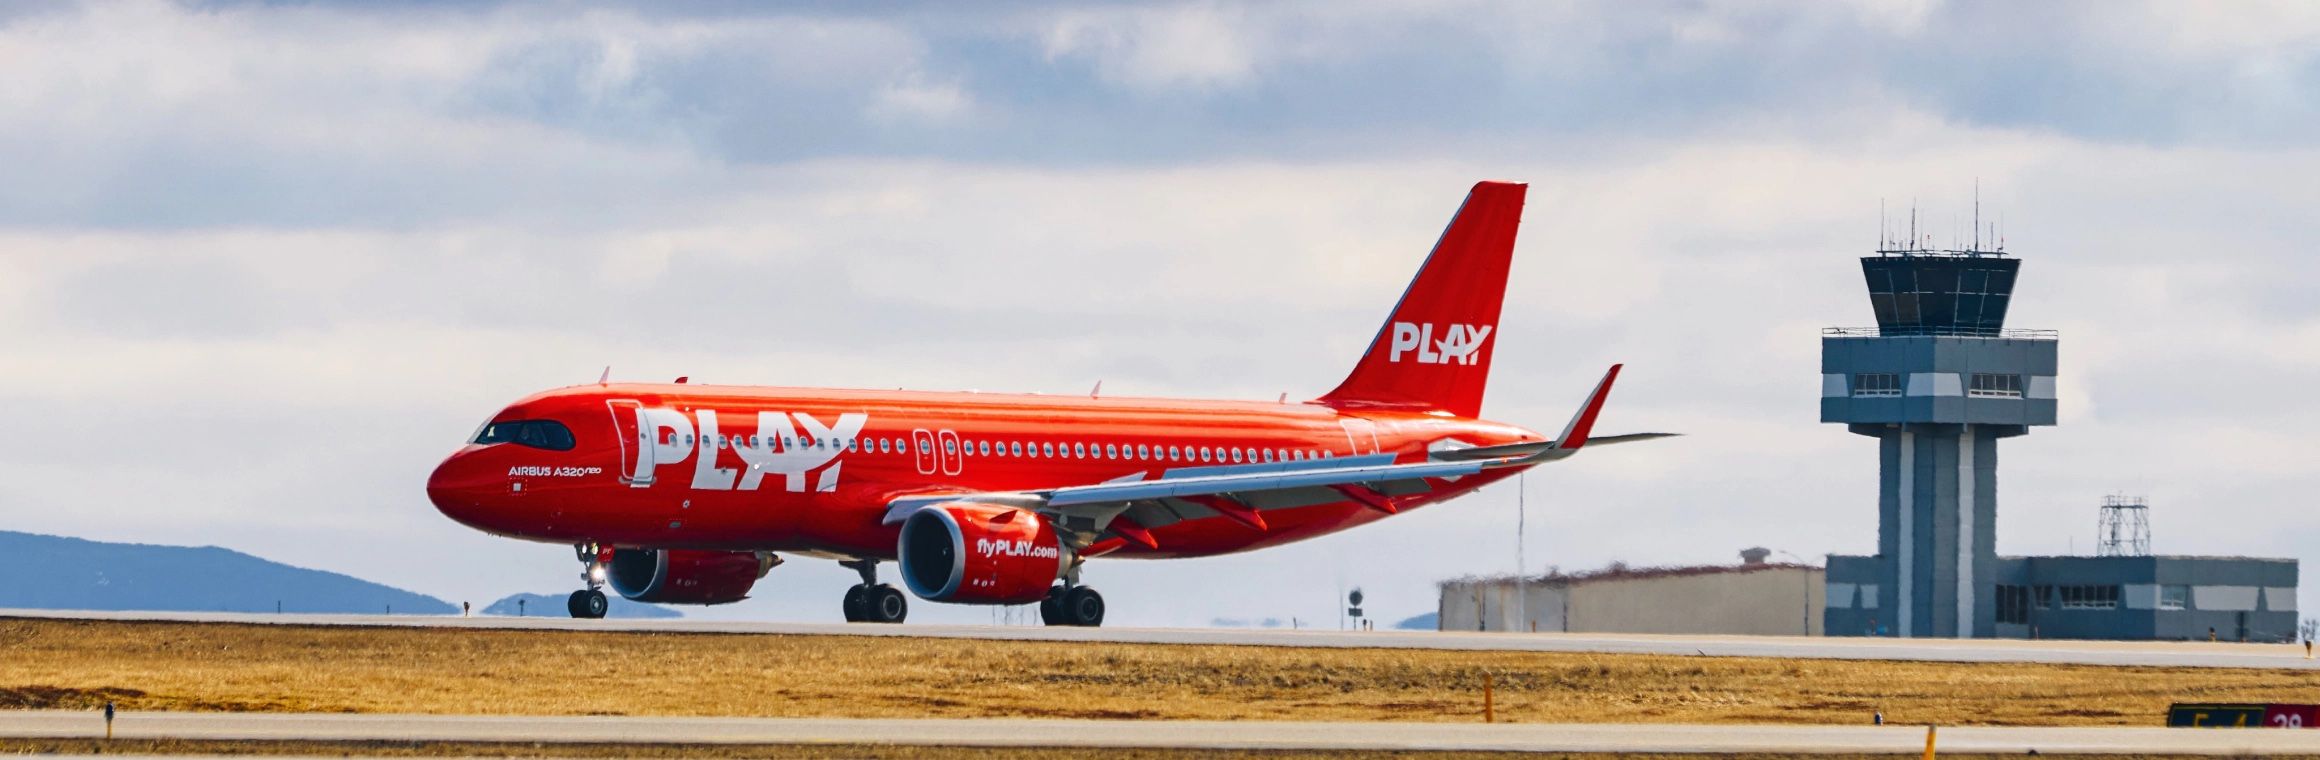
{"points": [[686, 576], [970, 553]]}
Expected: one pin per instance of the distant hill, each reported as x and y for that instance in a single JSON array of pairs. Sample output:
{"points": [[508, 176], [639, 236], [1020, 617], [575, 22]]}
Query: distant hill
{"points": [[54, 572], [1431, 621], [552, 605]]}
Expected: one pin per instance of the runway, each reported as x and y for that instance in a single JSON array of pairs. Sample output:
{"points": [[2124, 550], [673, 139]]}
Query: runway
{"points": [[2115, 653], [1214, 735]]}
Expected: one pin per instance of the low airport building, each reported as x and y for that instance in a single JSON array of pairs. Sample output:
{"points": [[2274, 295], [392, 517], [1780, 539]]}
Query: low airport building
{"points": [[2115, 597], [1754, 597]]}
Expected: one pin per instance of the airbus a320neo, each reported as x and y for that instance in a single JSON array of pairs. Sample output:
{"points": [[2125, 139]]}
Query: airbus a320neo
{"points": [[685, 493]]}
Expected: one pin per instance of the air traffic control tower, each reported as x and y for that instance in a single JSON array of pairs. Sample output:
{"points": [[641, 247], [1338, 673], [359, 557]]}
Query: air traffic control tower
{"points": [[1937, 382]]}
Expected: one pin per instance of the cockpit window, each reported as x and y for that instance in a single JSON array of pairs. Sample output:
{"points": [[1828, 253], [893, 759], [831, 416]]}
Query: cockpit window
{"points": [[538, 434]]}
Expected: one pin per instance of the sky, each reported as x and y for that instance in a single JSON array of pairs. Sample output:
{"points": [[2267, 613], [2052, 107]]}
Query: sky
{"points": [[262, 265]]}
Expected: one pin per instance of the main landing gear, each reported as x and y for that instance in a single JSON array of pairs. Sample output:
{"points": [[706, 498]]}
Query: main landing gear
{"points": [[590, 603], [1071, 603], [871, 601]]}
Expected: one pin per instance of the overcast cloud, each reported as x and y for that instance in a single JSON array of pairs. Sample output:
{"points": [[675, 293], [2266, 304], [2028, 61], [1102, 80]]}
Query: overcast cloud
{"points": [[261, 266]]}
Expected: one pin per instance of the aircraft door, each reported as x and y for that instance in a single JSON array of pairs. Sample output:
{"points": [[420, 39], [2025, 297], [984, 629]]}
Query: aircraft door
{"points": [[636, 449], [922, 447], [1360, 434], [952, 457]]}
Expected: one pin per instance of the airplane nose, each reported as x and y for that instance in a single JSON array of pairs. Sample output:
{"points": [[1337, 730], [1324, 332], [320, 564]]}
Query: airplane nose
{"points": [[458, 487]]}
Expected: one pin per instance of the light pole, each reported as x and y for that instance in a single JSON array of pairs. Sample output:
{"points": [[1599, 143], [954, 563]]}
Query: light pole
{"points": [[1522, 517], [1804, 590]]}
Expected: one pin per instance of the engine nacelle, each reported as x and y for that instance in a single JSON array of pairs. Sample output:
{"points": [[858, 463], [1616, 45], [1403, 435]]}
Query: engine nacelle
{"points": [[686, 576], [970, 553]]}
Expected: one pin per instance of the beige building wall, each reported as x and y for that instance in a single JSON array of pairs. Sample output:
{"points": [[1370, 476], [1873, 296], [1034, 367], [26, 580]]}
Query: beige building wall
{"points": [[1774, 600], [1495, 606]]}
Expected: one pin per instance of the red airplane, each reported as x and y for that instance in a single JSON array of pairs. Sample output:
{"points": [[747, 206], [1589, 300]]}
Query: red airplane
{"points": [[682, 493]]}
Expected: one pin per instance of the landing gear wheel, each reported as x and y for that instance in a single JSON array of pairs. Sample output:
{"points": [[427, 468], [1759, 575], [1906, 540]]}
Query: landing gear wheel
{"points": [[857, 603], [1081, 606], [587, 604], [1051, 607], [884, 604]]}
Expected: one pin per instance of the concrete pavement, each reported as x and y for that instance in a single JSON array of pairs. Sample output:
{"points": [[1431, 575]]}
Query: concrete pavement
{"points": [[1215, 735]]}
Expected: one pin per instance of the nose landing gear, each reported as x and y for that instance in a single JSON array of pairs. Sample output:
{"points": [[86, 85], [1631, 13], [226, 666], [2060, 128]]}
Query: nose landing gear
{"points": [[590, 603], [871, 601]]}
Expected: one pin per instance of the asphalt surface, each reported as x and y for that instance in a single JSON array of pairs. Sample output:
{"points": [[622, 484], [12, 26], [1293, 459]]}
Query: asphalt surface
{"points": [[1219, 735], [2123, 653]]}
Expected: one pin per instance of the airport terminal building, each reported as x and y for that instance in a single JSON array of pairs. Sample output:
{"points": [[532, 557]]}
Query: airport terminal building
{"points": [[1755, 598], [1938, 383], [2119, 597]]}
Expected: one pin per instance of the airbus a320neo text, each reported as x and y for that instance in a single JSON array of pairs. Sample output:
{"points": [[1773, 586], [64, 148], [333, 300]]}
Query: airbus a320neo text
{"points": [[686, 493]]}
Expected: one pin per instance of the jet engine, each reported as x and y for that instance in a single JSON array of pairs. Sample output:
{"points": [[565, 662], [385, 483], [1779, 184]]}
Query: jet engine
{"points": [[971, 553], [686, 576]]}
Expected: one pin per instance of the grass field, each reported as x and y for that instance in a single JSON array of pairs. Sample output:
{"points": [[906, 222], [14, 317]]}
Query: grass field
{"points": [[185, 666], [788, 751]]}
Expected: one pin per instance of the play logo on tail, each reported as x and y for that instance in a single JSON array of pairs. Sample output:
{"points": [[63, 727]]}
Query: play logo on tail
{"points": [[1462, 347]]}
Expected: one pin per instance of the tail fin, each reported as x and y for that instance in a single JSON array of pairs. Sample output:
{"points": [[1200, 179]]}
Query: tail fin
{"points": [[1434, 350]]}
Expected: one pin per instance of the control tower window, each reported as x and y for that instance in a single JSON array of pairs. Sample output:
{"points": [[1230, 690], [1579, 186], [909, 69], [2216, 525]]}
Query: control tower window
{"points": [[1877, 384], [1995, 386], [538, 434]]}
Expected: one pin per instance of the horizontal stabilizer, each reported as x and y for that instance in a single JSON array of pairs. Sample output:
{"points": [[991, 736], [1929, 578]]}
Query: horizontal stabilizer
{"points": [[1606, 440]]}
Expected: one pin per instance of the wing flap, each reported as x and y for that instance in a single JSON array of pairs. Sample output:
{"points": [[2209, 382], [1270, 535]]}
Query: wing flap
{"points": [[1207, 485]]}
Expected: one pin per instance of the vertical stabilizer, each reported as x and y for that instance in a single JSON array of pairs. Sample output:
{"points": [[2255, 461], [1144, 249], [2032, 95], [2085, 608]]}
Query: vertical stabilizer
{"points": [[1434, 350]]}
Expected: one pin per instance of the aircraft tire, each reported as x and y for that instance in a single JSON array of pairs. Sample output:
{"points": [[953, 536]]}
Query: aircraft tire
{"points": [[857, 603], [1082, 606], [885, 604], [587, 604], [1051, 607]]}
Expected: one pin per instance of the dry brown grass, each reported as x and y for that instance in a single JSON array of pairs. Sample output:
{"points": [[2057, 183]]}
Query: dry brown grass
{"points": [[180, 666], [862, 751]]}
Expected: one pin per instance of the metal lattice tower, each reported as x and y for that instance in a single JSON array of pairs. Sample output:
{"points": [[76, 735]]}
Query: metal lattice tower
{"points": [[2124, 529]]}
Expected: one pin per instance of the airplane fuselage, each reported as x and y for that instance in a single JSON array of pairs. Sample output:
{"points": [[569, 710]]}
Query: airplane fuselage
{"points": [[813, 471]]}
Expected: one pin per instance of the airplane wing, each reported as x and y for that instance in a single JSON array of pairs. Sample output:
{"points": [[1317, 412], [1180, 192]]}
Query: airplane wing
{"points": [[1101, 516], [1126, 508]]}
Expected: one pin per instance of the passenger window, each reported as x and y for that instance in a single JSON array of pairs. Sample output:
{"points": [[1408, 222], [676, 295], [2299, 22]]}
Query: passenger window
{"points": [[1078, 451], [1111, 451], [1204, 453], [1047, 449], [1236, 454], [1172, 452]]}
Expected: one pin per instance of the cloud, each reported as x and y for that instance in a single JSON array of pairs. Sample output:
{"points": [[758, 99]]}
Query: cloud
{"points": [[1181, 46]]}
